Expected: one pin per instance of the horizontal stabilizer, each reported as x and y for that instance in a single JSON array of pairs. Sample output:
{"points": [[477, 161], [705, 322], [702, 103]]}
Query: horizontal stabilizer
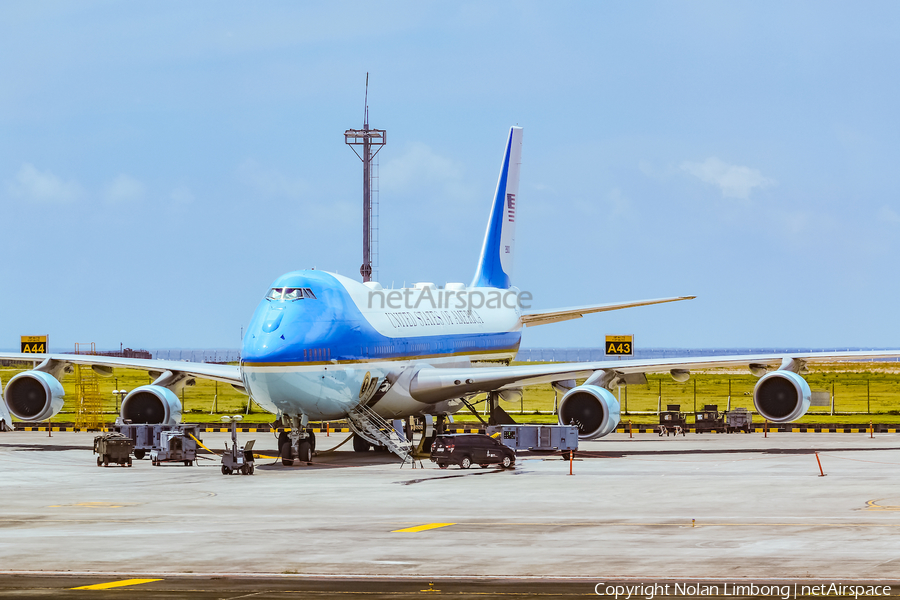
{"points": [[532, 318]]}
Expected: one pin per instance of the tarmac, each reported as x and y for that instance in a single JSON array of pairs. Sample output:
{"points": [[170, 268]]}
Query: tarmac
{"points": [[703, 507]]}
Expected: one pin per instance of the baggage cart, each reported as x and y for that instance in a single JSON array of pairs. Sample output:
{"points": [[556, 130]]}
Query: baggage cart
{"points": [[738, 419], [113, 448], [672, 421], [709, 420]]}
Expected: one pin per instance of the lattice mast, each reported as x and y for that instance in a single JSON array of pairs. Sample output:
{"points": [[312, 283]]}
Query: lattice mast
{"points": [[366, 143]]}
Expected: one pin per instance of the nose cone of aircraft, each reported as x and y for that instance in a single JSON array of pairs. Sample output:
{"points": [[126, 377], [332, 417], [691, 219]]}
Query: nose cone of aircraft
{"points": [[266, 340], [260, 347]]}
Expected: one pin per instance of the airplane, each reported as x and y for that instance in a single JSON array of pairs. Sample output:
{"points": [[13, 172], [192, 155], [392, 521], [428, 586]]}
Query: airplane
{"points": [[323, 346]]}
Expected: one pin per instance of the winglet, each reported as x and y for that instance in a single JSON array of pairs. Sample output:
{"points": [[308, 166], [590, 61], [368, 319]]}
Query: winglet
{"points": [[495, 266]]}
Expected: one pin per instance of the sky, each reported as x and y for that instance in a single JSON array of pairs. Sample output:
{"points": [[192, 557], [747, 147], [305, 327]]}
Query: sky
{"points": [[161, 163]]}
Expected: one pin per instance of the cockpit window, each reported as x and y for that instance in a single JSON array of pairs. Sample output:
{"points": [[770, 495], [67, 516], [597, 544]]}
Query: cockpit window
{"points": [[290, 293]]}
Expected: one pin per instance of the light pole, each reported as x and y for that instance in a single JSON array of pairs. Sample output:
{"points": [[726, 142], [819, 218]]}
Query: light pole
{"points": [[120, 395], [233, 420]]}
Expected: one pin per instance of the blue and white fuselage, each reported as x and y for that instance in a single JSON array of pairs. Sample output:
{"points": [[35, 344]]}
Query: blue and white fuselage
{"points": [[318, 337]]}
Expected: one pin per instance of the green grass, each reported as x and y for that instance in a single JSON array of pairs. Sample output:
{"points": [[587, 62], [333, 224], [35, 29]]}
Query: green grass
{"points": [[870, 390]]}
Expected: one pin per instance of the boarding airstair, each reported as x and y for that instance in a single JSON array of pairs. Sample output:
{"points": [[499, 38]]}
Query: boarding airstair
{"points": [[367, 424]]}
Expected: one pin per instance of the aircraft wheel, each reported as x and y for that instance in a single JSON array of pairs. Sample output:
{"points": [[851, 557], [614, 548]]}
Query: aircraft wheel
{"points": [[305, 452], [311, 438], [287, 458], [245, 470], [250, 470], [360, 444]]}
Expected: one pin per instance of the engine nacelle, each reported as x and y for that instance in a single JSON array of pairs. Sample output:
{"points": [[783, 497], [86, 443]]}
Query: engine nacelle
{"points": [[151, 404], [781, 396], [34, 396], [592, 408]]}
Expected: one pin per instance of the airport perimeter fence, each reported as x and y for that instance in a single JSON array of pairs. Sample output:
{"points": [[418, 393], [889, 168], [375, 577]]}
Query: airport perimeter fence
{"points": [[205, 355]]}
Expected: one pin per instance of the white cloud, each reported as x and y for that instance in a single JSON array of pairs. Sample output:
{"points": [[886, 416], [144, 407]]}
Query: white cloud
{"points": [[37, 186], [270, 181], [123, 189], [734, 181], [888, 215], [419, 169]]}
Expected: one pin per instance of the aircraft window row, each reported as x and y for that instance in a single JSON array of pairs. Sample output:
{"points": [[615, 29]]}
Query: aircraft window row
{"points": [[422, 348], [316, 354], [431, 347]]}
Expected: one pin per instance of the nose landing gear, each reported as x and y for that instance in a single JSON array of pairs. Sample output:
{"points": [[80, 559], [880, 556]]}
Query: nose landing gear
{"points": [[298, 443]]}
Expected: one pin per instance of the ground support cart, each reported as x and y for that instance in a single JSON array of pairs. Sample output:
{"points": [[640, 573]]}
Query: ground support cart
{"points": [[174, 446], [146, 438], [709, 420], [113, 448], [672, 421], [540, 438], [237, 459], [739, 419]]}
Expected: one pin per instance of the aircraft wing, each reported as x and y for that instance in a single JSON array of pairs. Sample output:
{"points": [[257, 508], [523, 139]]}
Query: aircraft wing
{"points": [[436, 385], [542, 317], [224, 373]]}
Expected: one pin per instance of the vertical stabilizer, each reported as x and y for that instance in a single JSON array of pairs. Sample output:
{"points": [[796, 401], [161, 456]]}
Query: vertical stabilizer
{"points": [[495, 266]]}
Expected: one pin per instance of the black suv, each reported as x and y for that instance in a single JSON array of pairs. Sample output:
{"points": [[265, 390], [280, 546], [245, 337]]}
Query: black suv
{"points": [[464, 449]]}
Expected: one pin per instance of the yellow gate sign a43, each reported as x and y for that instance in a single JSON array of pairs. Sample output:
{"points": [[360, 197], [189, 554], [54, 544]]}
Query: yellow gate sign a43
{"points": [[619, 345], [34, 344]]}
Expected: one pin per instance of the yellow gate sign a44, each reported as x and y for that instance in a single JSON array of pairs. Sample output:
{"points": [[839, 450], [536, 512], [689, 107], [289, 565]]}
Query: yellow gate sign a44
{"points": [[619, 345], [34, 344]]}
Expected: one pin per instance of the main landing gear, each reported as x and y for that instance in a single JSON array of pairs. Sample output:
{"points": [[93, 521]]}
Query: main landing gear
{"points": [[298, 443]]}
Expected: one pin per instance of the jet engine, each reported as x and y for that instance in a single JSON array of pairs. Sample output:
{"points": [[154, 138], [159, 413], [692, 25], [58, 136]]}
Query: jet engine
{"points": [[151, 404], [592, 408], [781, 396], [34, 396]]}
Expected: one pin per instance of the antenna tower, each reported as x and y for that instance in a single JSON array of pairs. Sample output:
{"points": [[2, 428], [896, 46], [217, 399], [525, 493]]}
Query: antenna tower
{"points": [[363, 142]]}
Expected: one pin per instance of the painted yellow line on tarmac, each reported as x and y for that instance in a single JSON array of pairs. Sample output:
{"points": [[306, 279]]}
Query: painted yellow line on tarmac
{"points": [[419, 528], [114, 584]]}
